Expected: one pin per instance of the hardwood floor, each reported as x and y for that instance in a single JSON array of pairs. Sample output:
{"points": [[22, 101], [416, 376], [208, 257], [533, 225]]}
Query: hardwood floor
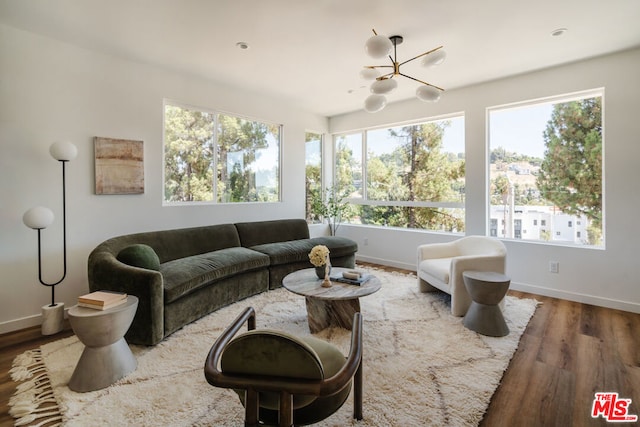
{"points": [[568, 352]]}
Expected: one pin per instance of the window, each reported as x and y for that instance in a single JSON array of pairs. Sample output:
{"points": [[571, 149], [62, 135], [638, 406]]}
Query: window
{"points": [[348, 170], [405, 176], [546, 162], [313, 173], [215, 157]]}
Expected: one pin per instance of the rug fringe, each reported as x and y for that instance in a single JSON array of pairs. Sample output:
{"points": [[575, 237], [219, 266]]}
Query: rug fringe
{"points": [[34, 398]]}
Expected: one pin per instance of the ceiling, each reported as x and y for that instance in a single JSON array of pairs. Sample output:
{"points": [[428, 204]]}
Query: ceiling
{"points": [[310, 52]]}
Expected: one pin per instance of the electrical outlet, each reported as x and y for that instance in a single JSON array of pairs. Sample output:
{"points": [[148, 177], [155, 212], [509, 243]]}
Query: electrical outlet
{"points": [[366, 241], [554, 266]]}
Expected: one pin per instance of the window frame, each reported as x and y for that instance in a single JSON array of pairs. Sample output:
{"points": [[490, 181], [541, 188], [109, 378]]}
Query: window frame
{"points": [[322, 174], [215, 162], [553, 99], [365, 201]]}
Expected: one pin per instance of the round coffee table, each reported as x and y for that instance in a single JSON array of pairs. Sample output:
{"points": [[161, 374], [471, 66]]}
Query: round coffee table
{"points": [[106, 357], [486, 289], [332, 306]]}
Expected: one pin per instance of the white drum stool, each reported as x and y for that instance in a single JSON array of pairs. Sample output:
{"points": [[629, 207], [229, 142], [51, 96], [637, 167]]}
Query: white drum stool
{"points": [[486, 289], [106, 357]]}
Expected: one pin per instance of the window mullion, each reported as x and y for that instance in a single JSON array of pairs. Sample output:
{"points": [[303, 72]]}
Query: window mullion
{"points": [[215, 158], [364, 166]]}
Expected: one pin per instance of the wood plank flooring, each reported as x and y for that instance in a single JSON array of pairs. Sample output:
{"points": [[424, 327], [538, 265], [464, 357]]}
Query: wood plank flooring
{"points": [[568, 352]]}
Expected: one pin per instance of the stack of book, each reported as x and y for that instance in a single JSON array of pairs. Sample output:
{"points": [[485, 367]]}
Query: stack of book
{"points": [[102, 300], [351, 277]]}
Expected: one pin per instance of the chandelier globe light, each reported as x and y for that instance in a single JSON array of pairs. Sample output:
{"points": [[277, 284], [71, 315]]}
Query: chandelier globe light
{"points": [[369, 73], [379, 46], [427, 94], [375, 103], [383, 86], [435, 59]]}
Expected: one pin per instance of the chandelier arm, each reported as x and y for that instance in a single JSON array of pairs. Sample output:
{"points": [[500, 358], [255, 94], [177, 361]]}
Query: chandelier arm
{"points": [[378, 66], [421, 55], [384, 76], [420, 81]]}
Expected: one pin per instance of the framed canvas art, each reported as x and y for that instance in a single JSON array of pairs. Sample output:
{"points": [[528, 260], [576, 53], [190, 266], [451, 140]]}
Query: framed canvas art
{"points": [[119, 166]]}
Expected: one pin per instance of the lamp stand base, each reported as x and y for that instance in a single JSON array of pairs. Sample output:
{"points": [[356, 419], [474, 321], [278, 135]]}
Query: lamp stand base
{"points": [[52, 318]]}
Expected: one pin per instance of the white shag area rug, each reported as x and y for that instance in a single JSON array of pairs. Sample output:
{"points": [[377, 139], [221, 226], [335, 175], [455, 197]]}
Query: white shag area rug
{"points": [[421, 365]]}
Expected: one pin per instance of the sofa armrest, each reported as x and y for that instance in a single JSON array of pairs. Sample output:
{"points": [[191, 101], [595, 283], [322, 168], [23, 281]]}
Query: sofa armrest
{"points": [[105, 272]]}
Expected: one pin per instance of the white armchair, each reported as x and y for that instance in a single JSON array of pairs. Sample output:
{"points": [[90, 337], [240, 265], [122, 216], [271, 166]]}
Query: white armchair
{"points": [[440, 266]]}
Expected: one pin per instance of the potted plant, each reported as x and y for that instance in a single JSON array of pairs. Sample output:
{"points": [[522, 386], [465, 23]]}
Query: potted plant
{"points": [[333, 206]]}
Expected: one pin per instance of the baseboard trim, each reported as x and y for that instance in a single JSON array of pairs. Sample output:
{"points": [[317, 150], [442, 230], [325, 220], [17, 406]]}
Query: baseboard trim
{"points": [[386, 262], [24, 323], [533, 289], [576, 297]]}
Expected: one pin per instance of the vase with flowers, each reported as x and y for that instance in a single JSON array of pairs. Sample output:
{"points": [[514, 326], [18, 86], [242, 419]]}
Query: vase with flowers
{"points": [[319, 257]]}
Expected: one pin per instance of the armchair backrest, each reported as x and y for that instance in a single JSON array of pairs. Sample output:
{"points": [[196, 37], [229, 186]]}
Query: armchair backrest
{"points": [[274, 353], [480, 245]]}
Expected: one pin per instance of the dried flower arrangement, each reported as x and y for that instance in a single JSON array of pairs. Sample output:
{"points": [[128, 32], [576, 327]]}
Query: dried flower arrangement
{"points": [[319, 255]]}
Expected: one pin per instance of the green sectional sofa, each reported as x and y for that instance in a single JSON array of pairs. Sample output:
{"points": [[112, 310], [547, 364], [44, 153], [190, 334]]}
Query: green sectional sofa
{"points": [[183, 274]]}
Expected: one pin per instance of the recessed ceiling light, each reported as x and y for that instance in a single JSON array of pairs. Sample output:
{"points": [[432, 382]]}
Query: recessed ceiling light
{"points": [[559, 32], [242, 45]]}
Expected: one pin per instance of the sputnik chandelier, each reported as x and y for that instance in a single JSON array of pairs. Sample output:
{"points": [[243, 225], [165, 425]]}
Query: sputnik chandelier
{"points": [[379, 46]]}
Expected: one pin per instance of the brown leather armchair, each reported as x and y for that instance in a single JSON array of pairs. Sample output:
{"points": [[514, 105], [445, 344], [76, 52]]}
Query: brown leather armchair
{"points": [[283, 379]]}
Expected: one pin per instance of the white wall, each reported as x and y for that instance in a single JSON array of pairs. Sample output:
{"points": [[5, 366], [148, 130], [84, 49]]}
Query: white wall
{"points": [[609, 277], [51, 91]]}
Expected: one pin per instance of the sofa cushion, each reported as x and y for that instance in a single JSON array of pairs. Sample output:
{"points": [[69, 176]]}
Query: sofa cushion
{"points": [[139, 255], [338, 246], [182, 276], [298, 250], [262, 232], [437, 267]]}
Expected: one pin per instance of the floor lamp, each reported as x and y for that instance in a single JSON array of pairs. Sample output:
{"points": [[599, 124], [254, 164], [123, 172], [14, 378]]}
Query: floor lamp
{"points": [[40, 218]]}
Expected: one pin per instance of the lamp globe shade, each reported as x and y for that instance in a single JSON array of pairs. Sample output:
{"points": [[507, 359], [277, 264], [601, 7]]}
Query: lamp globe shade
{"points": [[375, 103], [383, 86], [369, 73], [63, 151], [434, 58], [428, 94], [378, 46], [38, 217]]}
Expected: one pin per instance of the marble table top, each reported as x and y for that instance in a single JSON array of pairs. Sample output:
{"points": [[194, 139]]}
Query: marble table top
{"points": [[306, 283]]}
